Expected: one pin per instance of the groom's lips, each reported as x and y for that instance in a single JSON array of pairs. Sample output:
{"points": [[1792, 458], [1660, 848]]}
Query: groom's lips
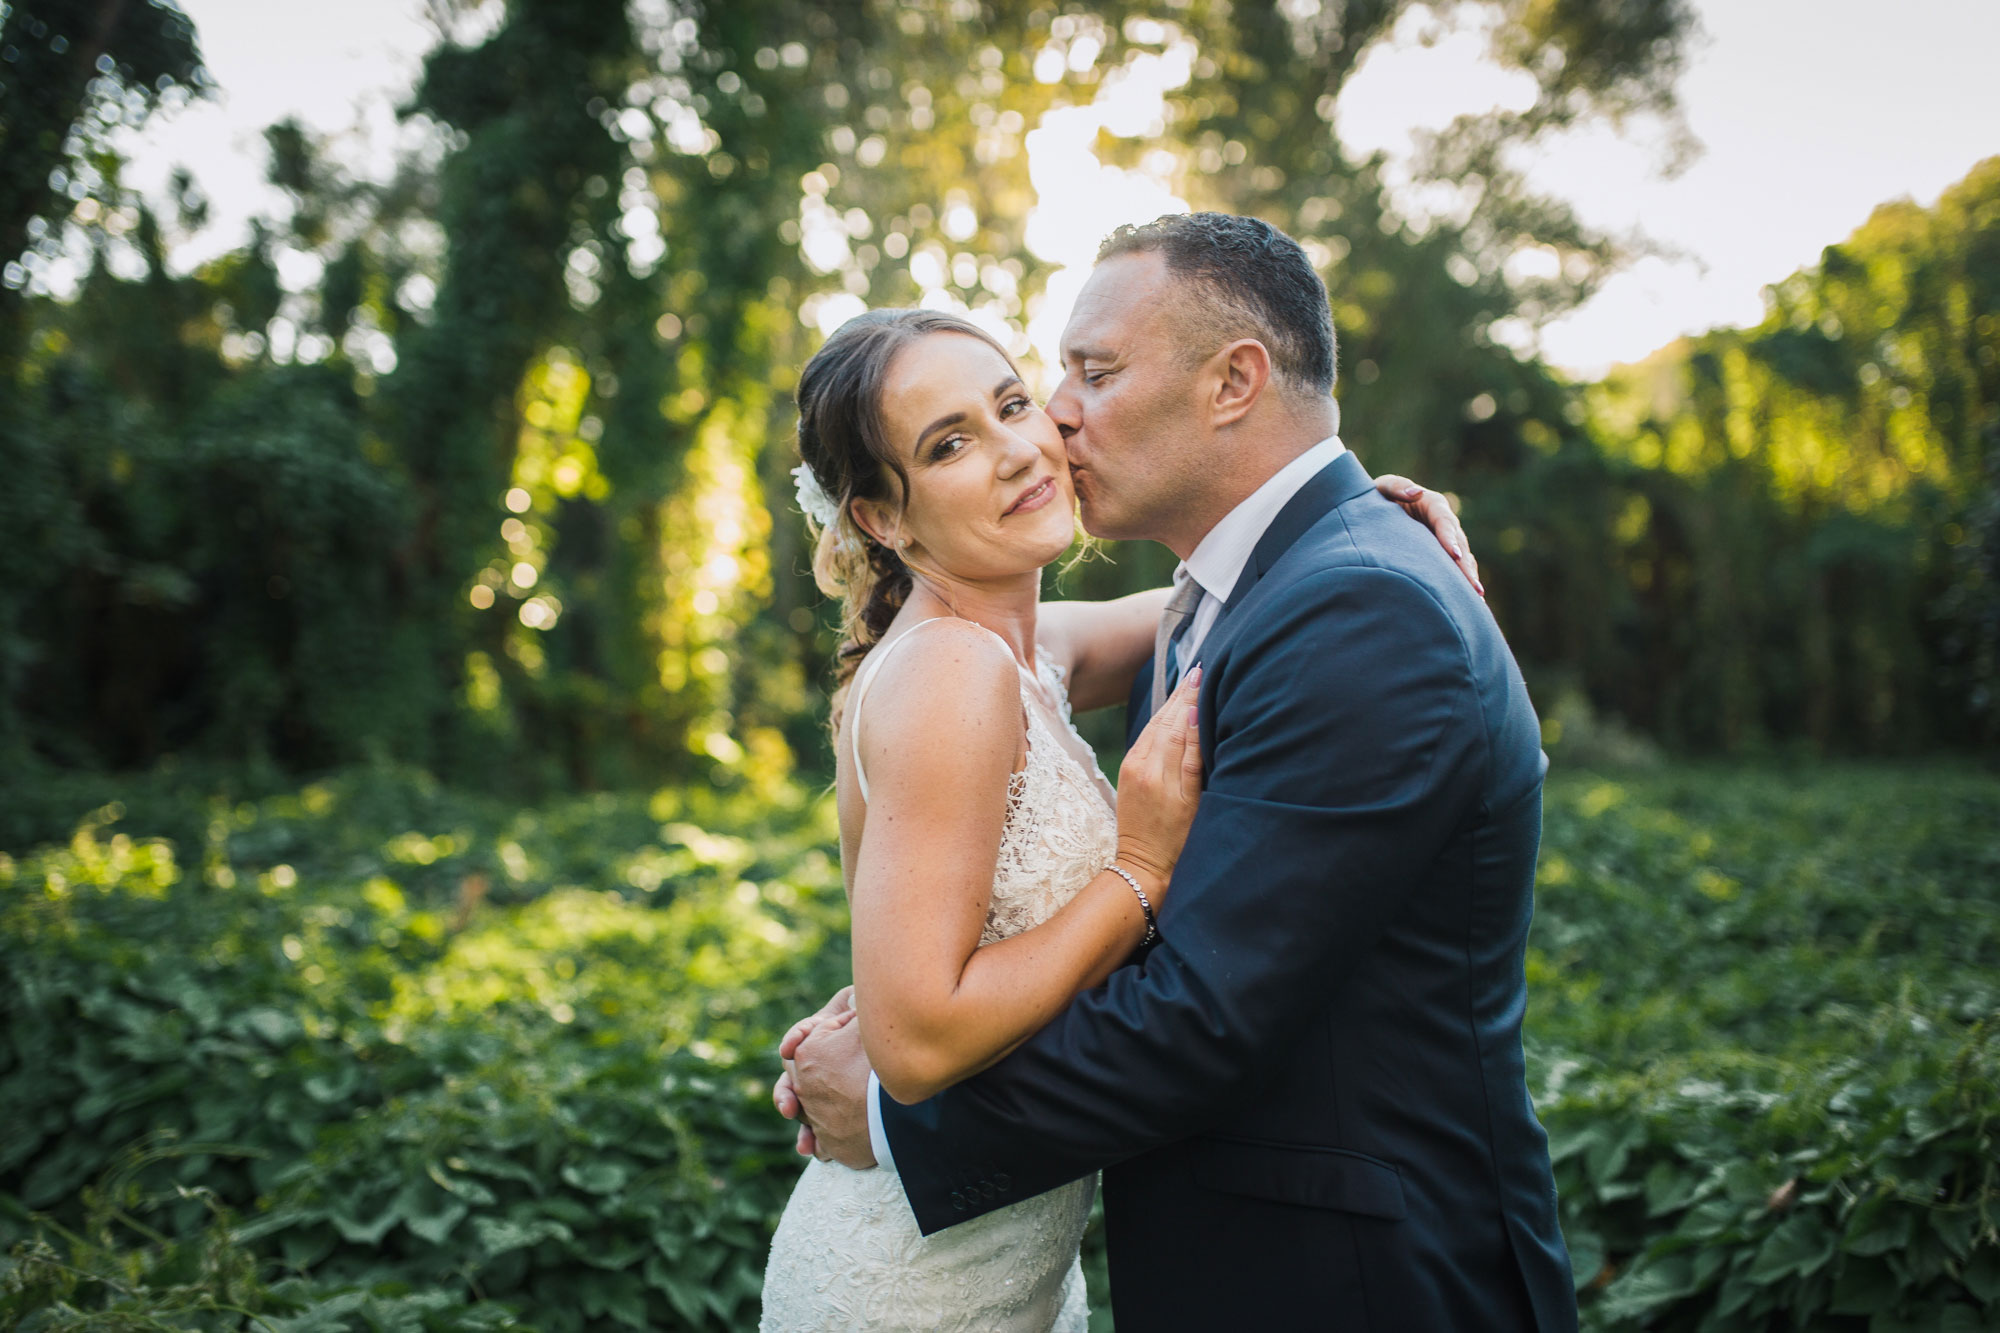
{"points": [[1034, 497]]}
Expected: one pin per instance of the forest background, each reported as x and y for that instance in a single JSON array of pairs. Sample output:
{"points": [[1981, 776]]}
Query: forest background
{"points": [[465, 495]]}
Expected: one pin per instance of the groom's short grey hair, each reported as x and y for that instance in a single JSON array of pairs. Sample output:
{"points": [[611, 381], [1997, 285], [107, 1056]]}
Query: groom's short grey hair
{"points": [[1248, 280]]}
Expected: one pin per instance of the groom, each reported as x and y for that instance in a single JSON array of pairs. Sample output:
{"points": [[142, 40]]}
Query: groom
{"points": [[1308, 1098]]}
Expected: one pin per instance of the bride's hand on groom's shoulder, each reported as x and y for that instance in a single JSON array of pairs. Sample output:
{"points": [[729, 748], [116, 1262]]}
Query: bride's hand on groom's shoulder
{"points": [[1433, 509]]}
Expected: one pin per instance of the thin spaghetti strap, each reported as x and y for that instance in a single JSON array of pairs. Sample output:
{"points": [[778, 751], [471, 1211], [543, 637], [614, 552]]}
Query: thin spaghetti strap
{"points": [[866, 677]]}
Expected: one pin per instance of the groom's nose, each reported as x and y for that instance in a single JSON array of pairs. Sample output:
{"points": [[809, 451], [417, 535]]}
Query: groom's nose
{"points": [[1065, 408]]}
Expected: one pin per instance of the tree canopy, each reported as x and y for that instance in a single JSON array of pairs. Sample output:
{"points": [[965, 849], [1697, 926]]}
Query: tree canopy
{"points": [[484, 467]]}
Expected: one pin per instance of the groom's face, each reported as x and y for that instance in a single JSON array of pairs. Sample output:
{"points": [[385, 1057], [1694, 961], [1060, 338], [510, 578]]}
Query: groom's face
{"points": [[1126, 402]]}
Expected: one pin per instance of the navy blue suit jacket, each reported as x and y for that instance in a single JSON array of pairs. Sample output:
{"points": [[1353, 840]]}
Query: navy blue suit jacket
{"points": [[1308, 1099]]}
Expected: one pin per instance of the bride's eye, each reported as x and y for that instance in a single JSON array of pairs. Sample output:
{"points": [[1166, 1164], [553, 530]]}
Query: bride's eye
{"points": [[945, 448], [1014, 406]]}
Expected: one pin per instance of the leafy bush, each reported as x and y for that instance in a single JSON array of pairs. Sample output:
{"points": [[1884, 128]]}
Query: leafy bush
{"points": [[117, 1273], [1767, 1028], [553, 1093], [472, 1060]]}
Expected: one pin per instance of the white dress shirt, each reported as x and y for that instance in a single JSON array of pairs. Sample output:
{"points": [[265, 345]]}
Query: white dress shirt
{"points": [[1216, 563]]}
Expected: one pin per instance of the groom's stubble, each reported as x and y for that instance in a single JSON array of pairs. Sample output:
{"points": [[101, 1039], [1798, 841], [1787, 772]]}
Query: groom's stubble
{"points": [[1133, 437], [1145, 457]]}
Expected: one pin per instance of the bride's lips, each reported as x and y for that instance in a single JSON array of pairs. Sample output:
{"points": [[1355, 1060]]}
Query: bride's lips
{"points": [[1034, 498]]}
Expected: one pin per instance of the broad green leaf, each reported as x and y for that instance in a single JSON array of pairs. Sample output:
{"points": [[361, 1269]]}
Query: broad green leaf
{"points": [[1865, 1286], [1956, 1228], [367, 1230], [1889, 1228], [441, 1213], [1648, 1287], [499, 1235], [1982, 1273], [1669, 1185], [1958, 1317], [1586, 1255], [1800, 1245], [597, 1177]]}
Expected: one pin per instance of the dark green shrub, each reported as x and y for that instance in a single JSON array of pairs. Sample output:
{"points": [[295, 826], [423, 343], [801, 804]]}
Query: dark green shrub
{"points": [[522, 1056]]}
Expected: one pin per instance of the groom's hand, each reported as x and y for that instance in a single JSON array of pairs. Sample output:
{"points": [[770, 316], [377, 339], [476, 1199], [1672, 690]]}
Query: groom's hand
{"points": [[830, 1076], [784, 1093]]}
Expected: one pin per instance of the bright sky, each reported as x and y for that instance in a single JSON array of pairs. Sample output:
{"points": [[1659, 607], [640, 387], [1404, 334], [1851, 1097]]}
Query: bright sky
{"points": [[1811, 112]]}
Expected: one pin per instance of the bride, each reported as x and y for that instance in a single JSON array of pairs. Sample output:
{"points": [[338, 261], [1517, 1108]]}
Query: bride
{"points": [[991, 870]]}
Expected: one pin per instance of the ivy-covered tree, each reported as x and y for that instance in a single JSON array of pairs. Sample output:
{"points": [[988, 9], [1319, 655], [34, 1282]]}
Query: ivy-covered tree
{"points": [[70, 72], [502, 490]]}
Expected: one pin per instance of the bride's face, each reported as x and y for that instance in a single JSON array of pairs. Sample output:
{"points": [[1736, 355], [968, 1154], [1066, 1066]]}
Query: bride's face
{"points": [[989, 486]]}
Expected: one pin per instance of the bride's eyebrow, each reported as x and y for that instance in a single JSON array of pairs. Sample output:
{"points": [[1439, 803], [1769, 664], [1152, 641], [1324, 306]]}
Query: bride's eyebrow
{"points": [[949, 419], [957, 418]]}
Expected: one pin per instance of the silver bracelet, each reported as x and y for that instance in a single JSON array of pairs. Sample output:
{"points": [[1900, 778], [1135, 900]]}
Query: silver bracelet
{"points": [[1145, 904]]}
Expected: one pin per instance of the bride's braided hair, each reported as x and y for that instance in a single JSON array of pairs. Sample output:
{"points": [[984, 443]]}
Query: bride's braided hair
{"points": [[843, 441]]}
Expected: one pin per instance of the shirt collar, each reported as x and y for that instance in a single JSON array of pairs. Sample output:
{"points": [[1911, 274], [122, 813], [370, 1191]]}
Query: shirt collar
{"points": [[1217, 561]]}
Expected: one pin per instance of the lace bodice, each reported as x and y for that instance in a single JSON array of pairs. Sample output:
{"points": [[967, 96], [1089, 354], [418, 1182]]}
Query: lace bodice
{"points": [[1060, 830], [847, 1254]]}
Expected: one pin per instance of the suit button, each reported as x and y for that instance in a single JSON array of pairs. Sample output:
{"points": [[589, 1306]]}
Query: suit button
{"points": [[1003, 1181], [958, 1201], [986, 1188]]}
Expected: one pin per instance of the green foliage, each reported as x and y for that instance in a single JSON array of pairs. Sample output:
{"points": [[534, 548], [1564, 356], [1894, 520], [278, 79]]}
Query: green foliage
{"points": [[503, 492], [71, 72], [1781, 532], [117, 1273], [420, 1046], [227, 546], [1970, 605], [564, 336], [510, 1055], [1767, 1030]]}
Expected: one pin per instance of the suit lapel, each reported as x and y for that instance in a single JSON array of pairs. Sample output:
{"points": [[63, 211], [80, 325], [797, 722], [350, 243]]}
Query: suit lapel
{"points": [[1332, 486]]}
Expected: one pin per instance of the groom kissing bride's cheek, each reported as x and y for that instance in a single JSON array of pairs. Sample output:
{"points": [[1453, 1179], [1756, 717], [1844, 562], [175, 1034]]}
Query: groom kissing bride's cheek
{"points": [[1270, 990]]}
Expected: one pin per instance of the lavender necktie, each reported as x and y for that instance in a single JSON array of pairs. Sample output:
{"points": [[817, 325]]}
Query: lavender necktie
{"points": [[1173, 623]]}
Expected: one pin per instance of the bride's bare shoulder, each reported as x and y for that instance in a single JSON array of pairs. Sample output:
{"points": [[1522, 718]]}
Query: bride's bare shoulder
{"points": [[948, 669], [942, 718]]}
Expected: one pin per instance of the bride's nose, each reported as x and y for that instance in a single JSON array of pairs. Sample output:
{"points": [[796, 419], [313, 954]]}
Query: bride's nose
{"points": [[1017, 455]]}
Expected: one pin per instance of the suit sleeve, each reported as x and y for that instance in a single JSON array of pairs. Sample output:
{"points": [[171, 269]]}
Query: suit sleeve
{"points": [[1346, 742]]}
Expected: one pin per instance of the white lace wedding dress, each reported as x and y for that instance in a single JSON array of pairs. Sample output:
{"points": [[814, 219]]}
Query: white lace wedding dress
{"points": [[847, 1254]]}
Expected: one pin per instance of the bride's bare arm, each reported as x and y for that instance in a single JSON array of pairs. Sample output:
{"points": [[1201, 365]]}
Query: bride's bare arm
{"points": [[939, 740], [1103, 644]]}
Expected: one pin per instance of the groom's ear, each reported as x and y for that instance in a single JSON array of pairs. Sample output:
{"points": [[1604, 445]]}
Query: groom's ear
{"points": [[1241, 373]]}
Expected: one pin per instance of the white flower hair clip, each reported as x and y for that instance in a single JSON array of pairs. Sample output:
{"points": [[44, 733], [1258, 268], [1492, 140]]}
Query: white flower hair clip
{"points": [[813, 499]]}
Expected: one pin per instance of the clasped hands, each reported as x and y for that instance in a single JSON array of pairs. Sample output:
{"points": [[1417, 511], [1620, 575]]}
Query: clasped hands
{"points": [[825, 1084]]}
